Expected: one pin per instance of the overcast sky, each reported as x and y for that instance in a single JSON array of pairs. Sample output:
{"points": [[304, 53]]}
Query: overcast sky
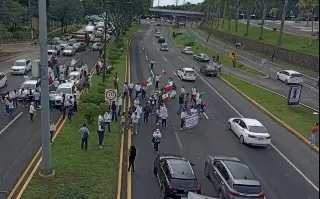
{"points": [[170, 2]]}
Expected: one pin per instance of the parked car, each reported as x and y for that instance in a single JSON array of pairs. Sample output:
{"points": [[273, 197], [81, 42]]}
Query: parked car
{"points": [[21, 66], [175, 175], [164, 47], [161, 40], [97, 46], [3, 80], [79, 46], [68, 89], [232, 178], [30, 84], [249, 131], [290, 77], [69, 51], [209, 69], [201, 57], [186, 74], [64, 44], [187, 50]]}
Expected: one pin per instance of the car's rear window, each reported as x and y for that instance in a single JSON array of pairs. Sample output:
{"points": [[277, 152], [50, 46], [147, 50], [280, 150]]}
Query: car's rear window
{"points": [[247, 189], [189, 73], [257, 129], [184, 184], [296, 75]]}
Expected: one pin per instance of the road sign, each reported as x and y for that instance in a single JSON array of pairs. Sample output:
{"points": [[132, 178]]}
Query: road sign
{"points": [[294, 95], [110, 95]]}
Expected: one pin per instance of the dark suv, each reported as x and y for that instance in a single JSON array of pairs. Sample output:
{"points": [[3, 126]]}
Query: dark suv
{"points": [[161, 40], [175, 176], [232, 178]]}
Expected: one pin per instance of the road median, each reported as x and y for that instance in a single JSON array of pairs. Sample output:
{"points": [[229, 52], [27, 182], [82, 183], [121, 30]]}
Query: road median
{"points": [[296, 119], [198, 47]]}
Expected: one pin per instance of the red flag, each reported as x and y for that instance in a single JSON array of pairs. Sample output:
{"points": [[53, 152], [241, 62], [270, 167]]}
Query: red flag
{"points": [[169, 87], [51, 79], [164, 72], [165, 98]]}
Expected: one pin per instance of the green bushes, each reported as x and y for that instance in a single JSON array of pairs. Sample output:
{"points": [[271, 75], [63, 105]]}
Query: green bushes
{"points": [[92, 98], [89, 111]]}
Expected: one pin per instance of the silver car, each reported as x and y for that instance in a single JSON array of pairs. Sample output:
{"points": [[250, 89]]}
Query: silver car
{"points": [[68, 51], [187, 50]]}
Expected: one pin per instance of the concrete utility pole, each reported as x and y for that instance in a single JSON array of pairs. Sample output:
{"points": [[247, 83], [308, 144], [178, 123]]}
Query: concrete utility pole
{"points": [[46, 170]]}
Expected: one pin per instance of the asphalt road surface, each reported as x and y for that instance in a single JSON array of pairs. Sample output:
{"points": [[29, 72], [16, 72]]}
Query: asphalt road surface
{"points": [[287, 169], [20, 140], [310, 92], [298, 28]]}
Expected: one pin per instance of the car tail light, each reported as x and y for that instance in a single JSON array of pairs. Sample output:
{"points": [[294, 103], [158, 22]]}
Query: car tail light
{"points": [[261, 196], [252, 136], [198, 188], [170, 187], [234, 193]]}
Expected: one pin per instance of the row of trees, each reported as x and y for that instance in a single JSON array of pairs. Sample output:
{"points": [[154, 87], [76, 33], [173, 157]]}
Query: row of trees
{"points": [[217, 10]]}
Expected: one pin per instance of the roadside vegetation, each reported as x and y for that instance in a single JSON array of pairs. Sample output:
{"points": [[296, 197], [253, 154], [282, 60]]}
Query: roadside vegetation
{"points": [[297, 117], [198, 47], [92, 173]]}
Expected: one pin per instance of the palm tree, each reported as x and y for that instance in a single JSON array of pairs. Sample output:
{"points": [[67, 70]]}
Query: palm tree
{"points": [[226, 2], [272, 12], [283, 17], [307, 7], [238, 6], [249, 2]]}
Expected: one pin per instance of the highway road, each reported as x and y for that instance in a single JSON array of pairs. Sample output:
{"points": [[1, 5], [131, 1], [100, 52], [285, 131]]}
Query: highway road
{"points": [[287, 169], [310, 91], [20, 139]]}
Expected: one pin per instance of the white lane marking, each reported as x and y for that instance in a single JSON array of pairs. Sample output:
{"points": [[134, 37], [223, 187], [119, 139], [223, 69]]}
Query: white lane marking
{"points": [[145, 54], [178, 140], [164, 58], [205, 115], [171, 49], [11, 122], [181, 59], [176, 75], [275, 148], [311, 87]]}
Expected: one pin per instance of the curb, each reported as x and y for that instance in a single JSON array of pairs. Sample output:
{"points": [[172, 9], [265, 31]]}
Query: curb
{"points": [[13, 56], [315, 148]]}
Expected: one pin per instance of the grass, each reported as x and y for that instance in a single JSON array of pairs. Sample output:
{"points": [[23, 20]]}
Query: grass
{"points": [[198, 47], [84, 174], [304, 44], [297, 117]]}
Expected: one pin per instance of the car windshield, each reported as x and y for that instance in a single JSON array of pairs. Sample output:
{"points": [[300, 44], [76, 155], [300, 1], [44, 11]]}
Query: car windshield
{"points": [[257, 129], [69, 48], [296, 75], [164, 45], [211, 67], [19, 63], [27, 86], [247, 189], [73, 76], [63, 90], [188, 48]]}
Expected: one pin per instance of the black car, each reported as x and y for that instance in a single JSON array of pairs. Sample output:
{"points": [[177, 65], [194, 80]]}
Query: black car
{"points": [[161, 40], [175, 176], [158, 24], [232, 178], [209, 69]]}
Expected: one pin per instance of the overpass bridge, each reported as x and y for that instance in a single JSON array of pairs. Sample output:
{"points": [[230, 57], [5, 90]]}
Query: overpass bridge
{"points": [[176, 13]]}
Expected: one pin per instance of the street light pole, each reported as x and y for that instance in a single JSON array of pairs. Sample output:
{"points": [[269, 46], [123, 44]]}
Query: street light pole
{"points": [[46, 170]]}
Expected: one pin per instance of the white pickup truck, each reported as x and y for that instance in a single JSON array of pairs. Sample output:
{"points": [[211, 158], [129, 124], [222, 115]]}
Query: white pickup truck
{"points": [[55, 48]]}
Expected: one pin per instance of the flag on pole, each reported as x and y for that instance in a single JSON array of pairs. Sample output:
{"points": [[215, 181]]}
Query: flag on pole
{"points": [[164, 72], [147, 83], [169, 86], [201, 95], [165, 98]]}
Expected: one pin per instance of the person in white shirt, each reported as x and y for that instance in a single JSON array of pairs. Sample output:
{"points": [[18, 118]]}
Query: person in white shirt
{"points": [[125, 89], [107, 119], [139, 110], [32, 112], [182, 90], [130, 87], [156, 138], [11, 109], [136, 102], [137, 89], [193, 111], [52, 130], [157, 81], [135, 121], [183, 116], [61, 77], [163, 116], [101, 129], [36, 97]]}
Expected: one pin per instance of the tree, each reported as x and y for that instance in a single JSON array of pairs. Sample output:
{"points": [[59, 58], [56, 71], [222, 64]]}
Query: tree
{"points": [[238, 6], [273, 12], [284, 12], [306, 8], [248, 12], [13, 14]]}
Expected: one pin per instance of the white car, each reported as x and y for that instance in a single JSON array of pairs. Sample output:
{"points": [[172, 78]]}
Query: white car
{"points": [[3, 80], [164, 47], [67, 89], [74, 76], [64, 44], [249, 131], [69, 51], [290, 77], [186, 74], [187, 50], [21, 66], [28, 85], [97, 46]]}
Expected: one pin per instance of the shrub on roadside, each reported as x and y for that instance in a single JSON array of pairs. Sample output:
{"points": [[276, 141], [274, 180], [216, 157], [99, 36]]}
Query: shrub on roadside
{"points": [[68, 191], [92, 98], [104, 107], [89, 111]]}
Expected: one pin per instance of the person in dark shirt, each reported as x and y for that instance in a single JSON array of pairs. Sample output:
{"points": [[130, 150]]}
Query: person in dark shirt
{"points": [[181, 102], [114, 111], [147, 111], [132, 157]]}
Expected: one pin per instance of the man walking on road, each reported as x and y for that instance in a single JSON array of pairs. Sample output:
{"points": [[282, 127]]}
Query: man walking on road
{"points": [[182, 119], [137, 89], [135, 120], [157, 80], [315, 129], [84, 134], [156, 137], [132, 157], [32, 112], [146, 110]]}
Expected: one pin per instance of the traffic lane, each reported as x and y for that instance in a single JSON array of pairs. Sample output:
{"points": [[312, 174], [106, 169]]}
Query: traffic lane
{"points": [[6, 65], [17, 147], [282, 138], [269, 68], [145, 184], [17, 139], [279, 174], [309, 96]]}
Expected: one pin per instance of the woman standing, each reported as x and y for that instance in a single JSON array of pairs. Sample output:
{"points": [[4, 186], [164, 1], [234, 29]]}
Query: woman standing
{"points": [[132, 157], [156, 137]]}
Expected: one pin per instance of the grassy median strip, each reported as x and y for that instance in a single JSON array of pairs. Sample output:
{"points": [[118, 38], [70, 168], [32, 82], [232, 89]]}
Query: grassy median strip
{"points": [[92, 173], [198, 47], [297, 117], [299, 43]]}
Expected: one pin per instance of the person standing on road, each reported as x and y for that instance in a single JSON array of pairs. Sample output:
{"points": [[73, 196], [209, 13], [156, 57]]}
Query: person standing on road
{"points": [[52, 130], [182, 90], [164, 116], [135, 121], [101, 129], [137, 89], [143, 92], [123, 122], [130, 88], [315, 129], [183, 116], [84, 134], [125, 90], [107, 119], [157, 81], [146, 110], [11, 109], [156, 138], [32, 112], [36, 97], [181, 102], [132, 157], [158, 115], [152, 64], [136, 102]]}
